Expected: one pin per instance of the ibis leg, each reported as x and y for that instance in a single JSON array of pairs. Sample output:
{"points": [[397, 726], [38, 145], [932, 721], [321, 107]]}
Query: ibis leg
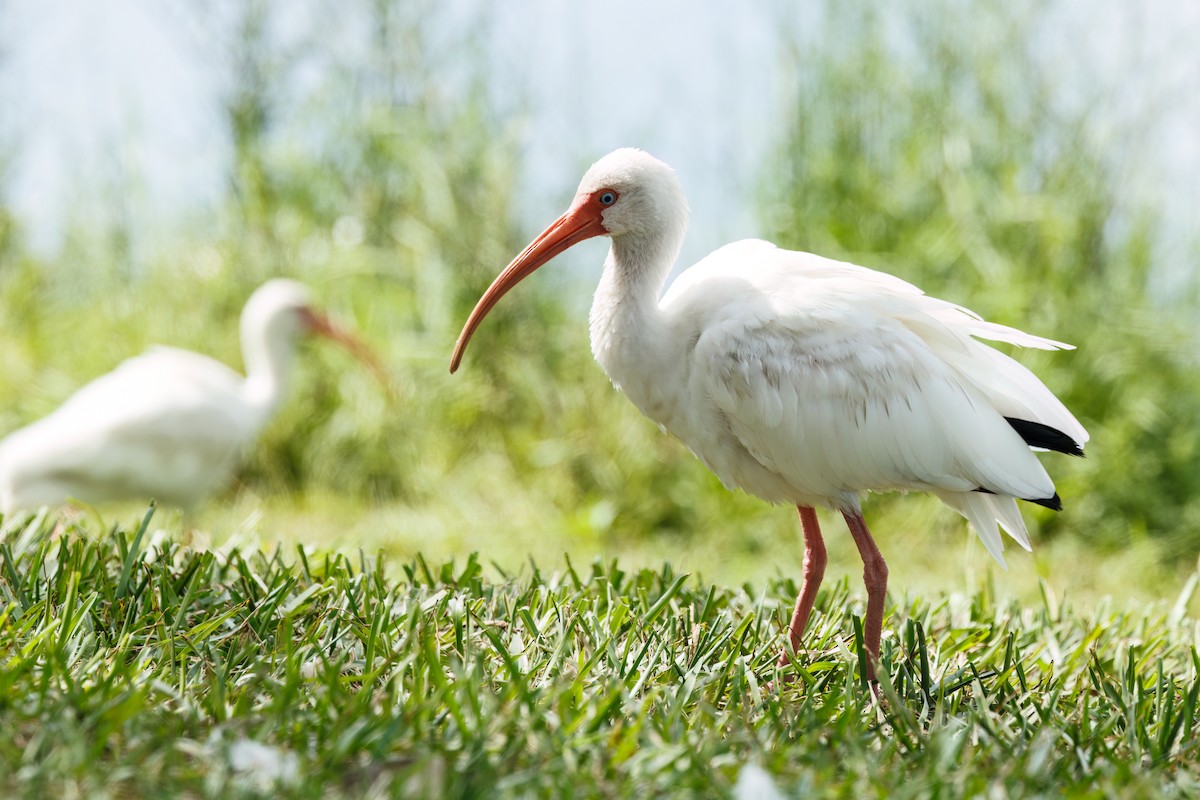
{"points": [[814, 571], [875, 574]]}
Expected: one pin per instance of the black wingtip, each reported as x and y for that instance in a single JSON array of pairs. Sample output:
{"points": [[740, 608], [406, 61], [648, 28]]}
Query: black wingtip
{"points": [[1053, 503], [1036, 434]]}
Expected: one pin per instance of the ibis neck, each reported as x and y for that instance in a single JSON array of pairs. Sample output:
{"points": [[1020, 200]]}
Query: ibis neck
{"points": [[270, 360], [629, 330]]}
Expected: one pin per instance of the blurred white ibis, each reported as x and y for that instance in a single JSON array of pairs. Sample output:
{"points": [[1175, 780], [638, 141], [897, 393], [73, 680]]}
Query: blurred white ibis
{"points": [[168, 424], [804, 380]]}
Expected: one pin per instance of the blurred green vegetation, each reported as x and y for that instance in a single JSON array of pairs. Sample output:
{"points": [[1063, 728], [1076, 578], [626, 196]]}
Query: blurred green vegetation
{"points": [[387, 183]]}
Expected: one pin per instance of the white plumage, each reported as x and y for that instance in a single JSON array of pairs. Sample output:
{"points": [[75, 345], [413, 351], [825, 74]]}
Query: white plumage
{"points": [[805, 380], [168, 424], [811, 380]]}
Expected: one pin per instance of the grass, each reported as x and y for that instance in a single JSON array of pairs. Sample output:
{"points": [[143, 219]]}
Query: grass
{"points": [[134, 666], [930, 549]]}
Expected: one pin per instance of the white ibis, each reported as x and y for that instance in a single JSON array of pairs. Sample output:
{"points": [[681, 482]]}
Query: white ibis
{"points": [[169, 424], [804, 380]]}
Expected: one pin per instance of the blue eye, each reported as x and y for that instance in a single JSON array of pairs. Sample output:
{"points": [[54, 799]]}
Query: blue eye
{"points": [[608, 198]]}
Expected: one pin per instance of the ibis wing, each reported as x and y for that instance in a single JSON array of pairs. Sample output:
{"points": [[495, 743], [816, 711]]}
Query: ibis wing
{"points": [[834, 378], [797, 284], [860, 406], [164, 424]]}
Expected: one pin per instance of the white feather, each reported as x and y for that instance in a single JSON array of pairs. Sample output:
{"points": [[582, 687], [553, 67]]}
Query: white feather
{"points": [[810, 381], [168, 424], [161, 425]]}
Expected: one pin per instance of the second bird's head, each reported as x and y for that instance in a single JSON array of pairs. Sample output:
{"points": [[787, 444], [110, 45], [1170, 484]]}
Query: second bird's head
{"points": [[281, 311], [285, 309]]}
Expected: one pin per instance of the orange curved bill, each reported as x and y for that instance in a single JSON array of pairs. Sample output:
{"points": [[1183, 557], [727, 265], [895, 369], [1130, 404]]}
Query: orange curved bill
{"points": [[321, 325], [580, 222]]}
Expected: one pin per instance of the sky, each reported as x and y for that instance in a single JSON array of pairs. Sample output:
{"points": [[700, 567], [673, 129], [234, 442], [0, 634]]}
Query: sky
{"points": [[125, 84], [97, 83]]}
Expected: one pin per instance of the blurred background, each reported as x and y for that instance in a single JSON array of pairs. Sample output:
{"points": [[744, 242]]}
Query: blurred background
{"points": [[1038, 162]]}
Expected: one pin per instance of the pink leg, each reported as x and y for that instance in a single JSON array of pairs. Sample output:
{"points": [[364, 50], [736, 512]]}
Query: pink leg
{"points": [[814, 571], [875, 574]]}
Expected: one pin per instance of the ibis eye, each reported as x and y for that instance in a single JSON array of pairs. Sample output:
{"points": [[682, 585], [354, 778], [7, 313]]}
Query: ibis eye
{"points": [[608, 198]]}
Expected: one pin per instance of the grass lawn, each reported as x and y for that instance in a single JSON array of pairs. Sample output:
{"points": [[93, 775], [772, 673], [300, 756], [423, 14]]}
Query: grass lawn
{"points": [[132, 666]]}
